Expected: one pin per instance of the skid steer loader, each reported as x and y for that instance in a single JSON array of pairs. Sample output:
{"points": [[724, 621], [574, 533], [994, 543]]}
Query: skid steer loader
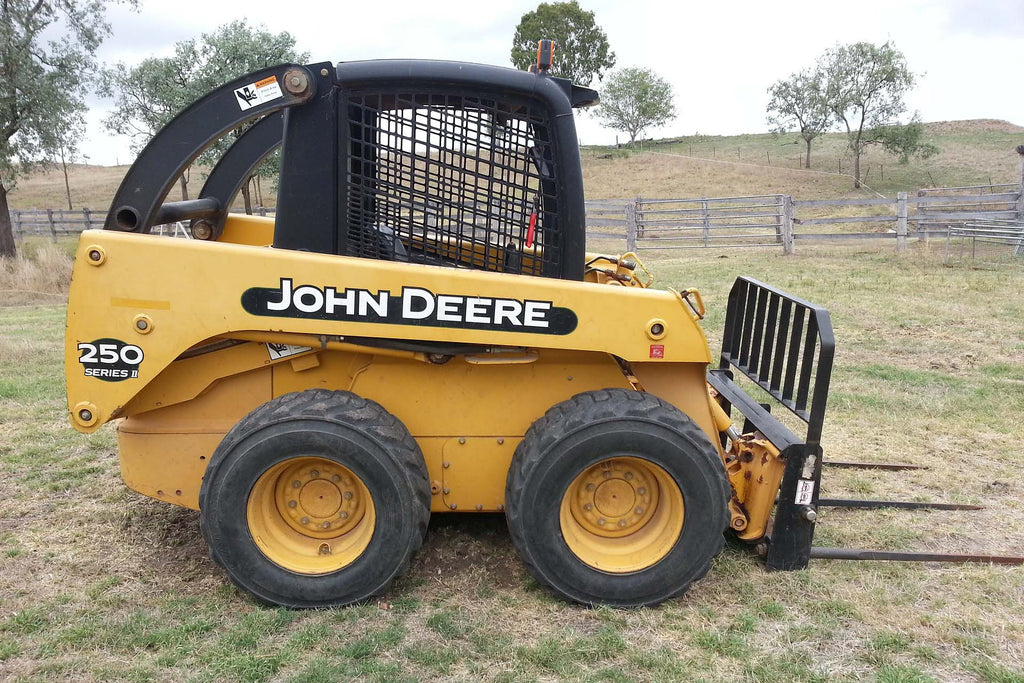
{"points": [[421, 330]]}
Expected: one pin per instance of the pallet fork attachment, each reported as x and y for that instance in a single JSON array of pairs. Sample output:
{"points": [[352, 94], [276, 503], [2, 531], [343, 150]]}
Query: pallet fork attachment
{"points": [[785, 345]]}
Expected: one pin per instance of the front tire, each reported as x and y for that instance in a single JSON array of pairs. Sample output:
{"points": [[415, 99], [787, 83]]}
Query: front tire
{"points": [[315, 499], [616, 497]]}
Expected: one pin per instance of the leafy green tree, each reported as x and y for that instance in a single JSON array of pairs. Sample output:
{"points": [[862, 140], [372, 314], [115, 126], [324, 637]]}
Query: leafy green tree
{"points": [[866, 84], [635, 99], [47, 54], [151, 93], [581, 47], [905, 140], [800, 102]]}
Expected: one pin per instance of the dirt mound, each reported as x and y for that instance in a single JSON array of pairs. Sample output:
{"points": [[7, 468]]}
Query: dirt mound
{"points": [[973, 126]]}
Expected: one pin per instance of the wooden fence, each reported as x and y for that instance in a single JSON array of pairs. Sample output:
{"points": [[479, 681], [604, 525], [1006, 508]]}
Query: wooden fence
{"points": [[781, 221], [777, 221], [54, 222]]}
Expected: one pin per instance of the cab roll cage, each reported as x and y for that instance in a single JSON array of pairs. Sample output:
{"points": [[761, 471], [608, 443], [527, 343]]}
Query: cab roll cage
{"points": [[329, 119]]}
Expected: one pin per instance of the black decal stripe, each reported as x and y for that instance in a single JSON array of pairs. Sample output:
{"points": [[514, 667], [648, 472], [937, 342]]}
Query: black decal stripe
{"points": [[561, 321]]}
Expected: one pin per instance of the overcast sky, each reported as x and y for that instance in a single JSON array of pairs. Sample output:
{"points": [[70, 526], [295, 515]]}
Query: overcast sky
{"points": [[720, 56]]}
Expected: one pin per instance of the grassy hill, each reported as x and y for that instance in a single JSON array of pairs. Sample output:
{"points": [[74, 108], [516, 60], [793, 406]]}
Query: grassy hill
{"points": [[971, 153]]}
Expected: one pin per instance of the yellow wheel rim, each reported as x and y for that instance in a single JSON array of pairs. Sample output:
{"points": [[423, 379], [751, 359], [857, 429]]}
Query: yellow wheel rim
{"points": [[622, 515], [310, 515]]}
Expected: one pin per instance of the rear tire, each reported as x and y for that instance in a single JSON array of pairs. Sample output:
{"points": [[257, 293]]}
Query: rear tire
{"points": [[616, 497], [315, 499]]}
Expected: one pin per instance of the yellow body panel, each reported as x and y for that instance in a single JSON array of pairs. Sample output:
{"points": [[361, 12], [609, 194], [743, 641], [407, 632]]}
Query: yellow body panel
{"points": [[451, 410], [253, 230], [183, 292], [205, 361]]}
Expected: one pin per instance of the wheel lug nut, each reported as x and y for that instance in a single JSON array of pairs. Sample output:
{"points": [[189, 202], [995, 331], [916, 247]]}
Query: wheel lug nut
{"points": [[639, 511], [606, 474], [591, 487], [304, 520], [348, 495], [588, 506], [292, 503], [642, 491], [622, 522], [335, 478], [344, 515], [602, 521], [296, 484], [314, 474], [629, 475], [325, 525]]}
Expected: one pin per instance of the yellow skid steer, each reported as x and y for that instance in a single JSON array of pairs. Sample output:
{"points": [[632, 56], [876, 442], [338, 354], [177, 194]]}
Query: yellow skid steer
{"points": [[420, 330]]}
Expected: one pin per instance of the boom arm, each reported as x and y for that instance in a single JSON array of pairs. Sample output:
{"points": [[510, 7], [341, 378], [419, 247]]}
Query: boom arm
{"points": [[138, 200]]}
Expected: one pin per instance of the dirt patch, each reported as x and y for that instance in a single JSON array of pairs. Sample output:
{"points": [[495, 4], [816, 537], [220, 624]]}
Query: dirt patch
{"points": [[460, 545]]}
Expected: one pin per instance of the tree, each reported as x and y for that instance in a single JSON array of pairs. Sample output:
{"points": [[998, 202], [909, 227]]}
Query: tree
{"points": [[635, 99], [151, 93], [800, 102], [71, 133], [905, 140], [42, 84], [581, 47], [866, 84]]}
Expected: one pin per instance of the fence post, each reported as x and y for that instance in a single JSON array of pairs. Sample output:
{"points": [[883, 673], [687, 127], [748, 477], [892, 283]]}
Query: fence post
{"points": [[788, 240], [1020, 195], [706, 232], [53, 228], [779, 201], [631, 226], [922, 234], [901, 221], [16, 225], [87, 212]]}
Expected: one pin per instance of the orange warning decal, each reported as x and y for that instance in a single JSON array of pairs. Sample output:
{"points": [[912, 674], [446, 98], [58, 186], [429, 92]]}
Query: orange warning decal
{"points": [[266, 81]]}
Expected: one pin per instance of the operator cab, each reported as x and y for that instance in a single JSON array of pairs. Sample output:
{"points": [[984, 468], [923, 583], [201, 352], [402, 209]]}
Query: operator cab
{"points": [[432, 162]]}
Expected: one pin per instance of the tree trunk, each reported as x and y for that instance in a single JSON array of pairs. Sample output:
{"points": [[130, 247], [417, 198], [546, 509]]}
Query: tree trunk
{"points": [[856, 167], [246, 196], [808, 164], [7, 245], [184, 188], [67, 185]]}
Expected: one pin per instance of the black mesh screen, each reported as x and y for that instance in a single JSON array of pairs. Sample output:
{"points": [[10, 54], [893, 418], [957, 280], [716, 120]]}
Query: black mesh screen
{"points": [[451, 180]]}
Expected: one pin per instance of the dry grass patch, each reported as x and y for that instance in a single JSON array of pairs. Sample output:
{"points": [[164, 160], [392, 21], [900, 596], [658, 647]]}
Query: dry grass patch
{"points": [[40, 271], [99, 583]]}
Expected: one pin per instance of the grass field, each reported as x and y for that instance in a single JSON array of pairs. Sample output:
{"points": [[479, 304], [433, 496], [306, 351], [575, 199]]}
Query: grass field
{"points": [[99, 583]]}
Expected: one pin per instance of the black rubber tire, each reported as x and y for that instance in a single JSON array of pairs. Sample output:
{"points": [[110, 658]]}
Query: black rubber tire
{"points": [[336, 425], [583, 431]]}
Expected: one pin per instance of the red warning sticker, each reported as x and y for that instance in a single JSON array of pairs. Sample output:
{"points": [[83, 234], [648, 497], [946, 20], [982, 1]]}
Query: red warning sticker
{"points": [[657, 350]]}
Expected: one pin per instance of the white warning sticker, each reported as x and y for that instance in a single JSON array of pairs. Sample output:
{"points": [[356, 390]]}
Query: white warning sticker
{"points": [[278, 351], [257, 93], [804, 492]]}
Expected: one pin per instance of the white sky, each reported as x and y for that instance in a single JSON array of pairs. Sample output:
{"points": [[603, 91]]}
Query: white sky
{"points": [[720, 56]]}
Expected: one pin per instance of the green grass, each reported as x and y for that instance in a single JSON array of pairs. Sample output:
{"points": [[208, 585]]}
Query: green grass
{"points": [[98, 583]]}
